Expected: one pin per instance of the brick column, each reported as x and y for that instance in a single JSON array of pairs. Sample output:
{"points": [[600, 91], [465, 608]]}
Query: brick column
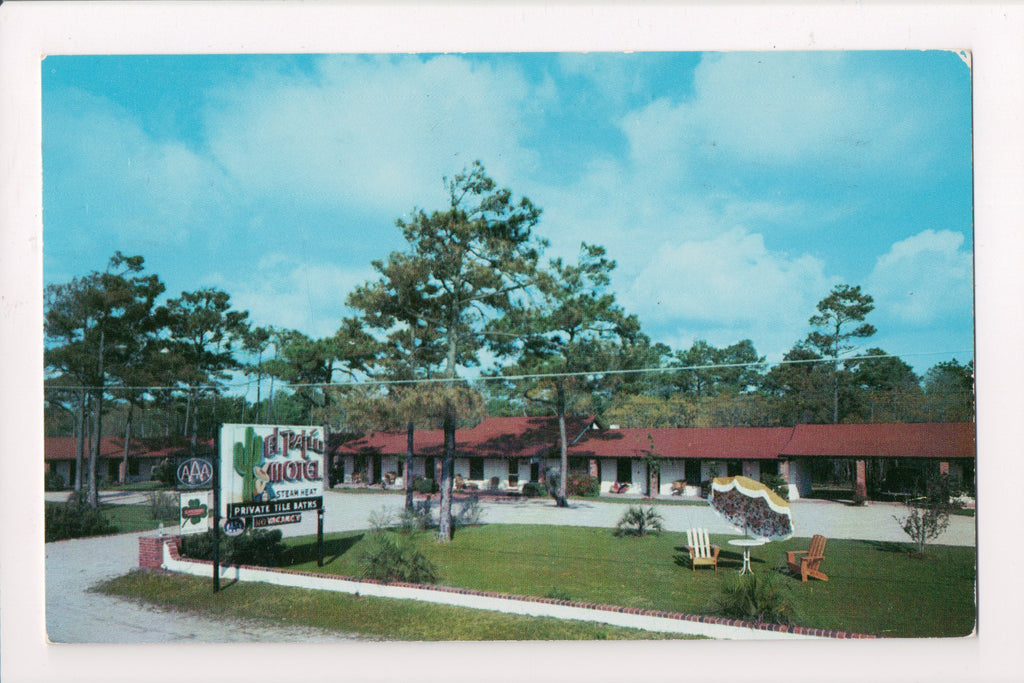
{"points": [[593, 467], [860, 486], [943, 467], [151, 550]]}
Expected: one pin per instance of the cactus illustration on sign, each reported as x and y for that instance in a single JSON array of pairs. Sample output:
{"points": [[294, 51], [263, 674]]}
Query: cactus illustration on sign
{"points": [[248, 455]]}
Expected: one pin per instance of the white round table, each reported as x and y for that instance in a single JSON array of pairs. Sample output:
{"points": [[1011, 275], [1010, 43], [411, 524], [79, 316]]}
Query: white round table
{"points": [[747, 544]]}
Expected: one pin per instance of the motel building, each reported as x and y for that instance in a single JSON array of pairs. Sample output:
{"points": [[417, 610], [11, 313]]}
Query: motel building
{"points": [[144, 456], [503, 453]]}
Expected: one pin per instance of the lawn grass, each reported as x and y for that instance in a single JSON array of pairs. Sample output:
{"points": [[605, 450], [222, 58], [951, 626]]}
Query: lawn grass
{"points": [[380, 618], [133, 517], [127, 518], [876, 588]]}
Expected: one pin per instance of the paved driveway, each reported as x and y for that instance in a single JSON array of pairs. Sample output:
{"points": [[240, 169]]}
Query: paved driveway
{"points": [[874, 521]]}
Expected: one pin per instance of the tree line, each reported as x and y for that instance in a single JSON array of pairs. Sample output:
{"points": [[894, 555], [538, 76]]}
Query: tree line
{"points": [[471, 286]]}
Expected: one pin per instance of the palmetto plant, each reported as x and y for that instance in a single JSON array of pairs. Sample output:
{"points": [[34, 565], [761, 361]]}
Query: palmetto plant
{"points": [[639, 521]]}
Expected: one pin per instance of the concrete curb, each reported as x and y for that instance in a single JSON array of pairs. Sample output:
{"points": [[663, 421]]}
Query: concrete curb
{"points": [[616, 615]]}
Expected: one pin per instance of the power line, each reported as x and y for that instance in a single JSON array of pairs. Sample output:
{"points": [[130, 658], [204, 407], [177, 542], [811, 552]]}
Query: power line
{"points": [[504, 378]]}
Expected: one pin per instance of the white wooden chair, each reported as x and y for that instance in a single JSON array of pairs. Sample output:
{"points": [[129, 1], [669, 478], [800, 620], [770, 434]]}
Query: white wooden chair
{"points": [[700, 549]]}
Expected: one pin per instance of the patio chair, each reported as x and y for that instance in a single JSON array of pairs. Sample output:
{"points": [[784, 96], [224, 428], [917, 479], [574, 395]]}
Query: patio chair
{"points": [[807, 565], [700, 549], [678, 487]]}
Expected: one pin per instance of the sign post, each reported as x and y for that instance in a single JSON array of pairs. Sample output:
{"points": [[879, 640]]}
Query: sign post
{"points": [[320, 537], [216, 516]]}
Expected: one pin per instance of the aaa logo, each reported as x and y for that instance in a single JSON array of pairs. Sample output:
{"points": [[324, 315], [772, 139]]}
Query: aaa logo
{"points": [[194, 512]]}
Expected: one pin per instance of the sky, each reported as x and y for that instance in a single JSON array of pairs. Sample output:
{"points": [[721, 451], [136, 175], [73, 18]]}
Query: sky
{"points": [[733, 189]]}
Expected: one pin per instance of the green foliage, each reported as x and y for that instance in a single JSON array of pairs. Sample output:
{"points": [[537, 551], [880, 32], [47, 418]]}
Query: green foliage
{"points": [[583, 485], [424, 485], [534, 489], [248, 455], [258, 547], [52, 481], [557, 593], [416, 519], [639, 521], [387, 560], [75, 520], [754, 597], [927, 513], [380, 520], [163, 506], [165, 473], [776, 484], [470, 512]]}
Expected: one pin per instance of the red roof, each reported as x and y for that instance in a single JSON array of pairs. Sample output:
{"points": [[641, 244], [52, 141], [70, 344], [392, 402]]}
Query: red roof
{"points": [[493, 437], [723, 443], [917, 440], [64, 447]]}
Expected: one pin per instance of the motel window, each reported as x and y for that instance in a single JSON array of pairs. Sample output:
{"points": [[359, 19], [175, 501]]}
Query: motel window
{"points": [[133, 467], [693, 471], [476, 468], [733, 468], [428, 468]]}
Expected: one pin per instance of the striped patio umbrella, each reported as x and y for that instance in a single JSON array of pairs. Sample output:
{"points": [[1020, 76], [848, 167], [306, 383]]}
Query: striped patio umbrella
{"points": [[753, 507]]}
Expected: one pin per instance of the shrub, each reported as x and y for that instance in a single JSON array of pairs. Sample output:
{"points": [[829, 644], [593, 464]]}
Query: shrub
{"points": [[164, 473], [386, 560], [928, 513], [163, 506], [776, 484], [259, 547], [200, 546], [52, 481], [380, 520], [534, 489], [75, 520], [417, 519], [470, 512], [753, 598], [424, 485], [639, 521], [582, 485]]}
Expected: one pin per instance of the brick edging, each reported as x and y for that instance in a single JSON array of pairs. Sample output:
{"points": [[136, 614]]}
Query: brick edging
{"points": [[173, 543]]}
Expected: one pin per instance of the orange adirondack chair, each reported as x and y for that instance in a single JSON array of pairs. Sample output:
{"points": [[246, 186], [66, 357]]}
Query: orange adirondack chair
{"points": [[701, 550], [807, 565]]}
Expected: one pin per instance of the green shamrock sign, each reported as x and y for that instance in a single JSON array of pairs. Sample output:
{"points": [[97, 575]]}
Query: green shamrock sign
{"points": [[194, 512]]}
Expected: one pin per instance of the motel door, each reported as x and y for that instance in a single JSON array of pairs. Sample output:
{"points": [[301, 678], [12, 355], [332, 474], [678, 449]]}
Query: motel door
{"points": [[376, 468]]}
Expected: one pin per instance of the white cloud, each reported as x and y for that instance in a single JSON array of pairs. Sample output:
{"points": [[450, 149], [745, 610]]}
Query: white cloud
{"points": [[306, 296], [730, 285], [924, 280], [133, 184], [751, 116], [374, 133]]}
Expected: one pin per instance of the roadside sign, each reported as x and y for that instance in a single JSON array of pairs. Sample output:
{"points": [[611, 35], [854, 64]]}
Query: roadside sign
{"points": [[273, 471], [234, 526], [196, 511], [275, 520], [195, 473]]}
